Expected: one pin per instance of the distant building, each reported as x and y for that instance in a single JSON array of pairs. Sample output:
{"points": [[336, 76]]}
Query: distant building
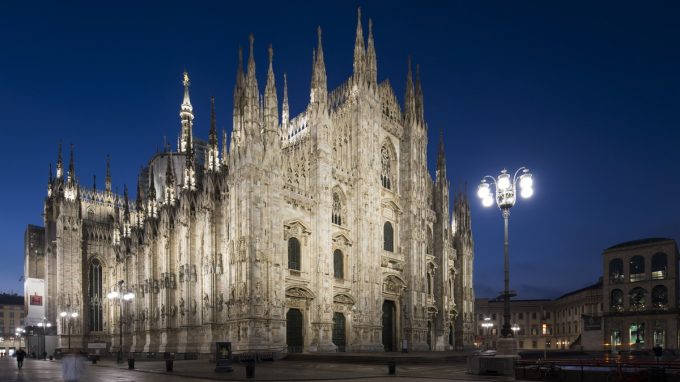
{"points": [[11, 317], [633, 307], [641, 294], [564, 323]]}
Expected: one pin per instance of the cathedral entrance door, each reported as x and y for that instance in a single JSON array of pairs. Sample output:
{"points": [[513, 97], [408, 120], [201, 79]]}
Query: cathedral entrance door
{"points": [[388, 325], [339, 331], [294, 331]]}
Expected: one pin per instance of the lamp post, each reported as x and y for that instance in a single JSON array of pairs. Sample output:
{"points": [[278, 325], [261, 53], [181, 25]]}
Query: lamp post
{"points": [[44, 324], [67, 315], [515, 329], [503, 190], [120, 296], [487, 324]]}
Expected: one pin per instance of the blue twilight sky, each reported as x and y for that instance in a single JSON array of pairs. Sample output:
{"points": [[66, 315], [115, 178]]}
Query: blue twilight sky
{"points": [[586, 94]]}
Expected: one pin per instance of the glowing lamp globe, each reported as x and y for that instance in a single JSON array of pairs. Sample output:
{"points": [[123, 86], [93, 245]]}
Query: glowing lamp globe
{"points": [[483, 190], [526, 181], [487, 201], [503, 181], [527, 192]]}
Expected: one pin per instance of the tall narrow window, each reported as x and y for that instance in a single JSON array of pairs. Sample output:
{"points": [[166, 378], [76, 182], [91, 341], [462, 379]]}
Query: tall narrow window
{"points": [[386, 174], [429, 284], [95, 295], [294, 254], [336, 214], [338, 264], [388, 237]]}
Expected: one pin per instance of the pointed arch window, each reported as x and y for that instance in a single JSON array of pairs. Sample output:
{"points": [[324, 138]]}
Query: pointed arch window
{"points": [[95, 296], [659, 266], [386, 173], [637, 268], [336, 214], [388, 237], [338, 264], [294, 254], [429, 284]]}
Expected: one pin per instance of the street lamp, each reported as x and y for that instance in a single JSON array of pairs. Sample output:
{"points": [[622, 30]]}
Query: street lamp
{"points": [[487, 324], [18, 333], [67, 315], [503, 190], [515, 329], [120, 296], [44, 324]]}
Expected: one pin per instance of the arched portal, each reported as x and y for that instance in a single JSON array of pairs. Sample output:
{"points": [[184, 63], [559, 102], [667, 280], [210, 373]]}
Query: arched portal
{"points": [[388, 324], [339, 331], [294, 331]]}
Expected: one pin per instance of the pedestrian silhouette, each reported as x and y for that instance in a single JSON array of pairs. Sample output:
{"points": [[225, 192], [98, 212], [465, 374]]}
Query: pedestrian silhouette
{"points": [[21, 354]]}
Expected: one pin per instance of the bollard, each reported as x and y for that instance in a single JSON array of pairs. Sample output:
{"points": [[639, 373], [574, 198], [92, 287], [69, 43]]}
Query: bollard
{"points": [[131, 363], [168, 365], [392, 368], [250, 370]]}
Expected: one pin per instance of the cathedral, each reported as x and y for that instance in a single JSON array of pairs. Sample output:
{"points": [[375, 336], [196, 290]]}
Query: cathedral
{"points": [[318, 232]]}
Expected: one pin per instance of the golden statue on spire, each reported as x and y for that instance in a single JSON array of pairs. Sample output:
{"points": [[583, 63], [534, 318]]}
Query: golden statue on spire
{"points": [[186, 78]]}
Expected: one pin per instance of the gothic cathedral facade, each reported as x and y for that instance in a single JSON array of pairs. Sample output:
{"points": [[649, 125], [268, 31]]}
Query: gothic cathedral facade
{"points": [[319, 232]]}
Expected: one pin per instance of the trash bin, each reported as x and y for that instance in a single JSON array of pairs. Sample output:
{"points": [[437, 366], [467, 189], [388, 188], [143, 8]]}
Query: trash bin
{"points": [[168, 364], [250, 370], [392, 368], [131, 363]]}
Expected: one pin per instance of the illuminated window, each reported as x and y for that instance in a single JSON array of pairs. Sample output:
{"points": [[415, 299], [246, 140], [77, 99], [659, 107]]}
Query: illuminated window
{"points": [[616, 271], [659, 266], [95, 296], [660, 297], [637, 333], [637, 268], [637, 298]]}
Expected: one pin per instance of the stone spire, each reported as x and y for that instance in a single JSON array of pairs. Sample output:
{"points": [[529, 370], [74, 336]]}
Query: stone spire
{"points": [[371, 60], [252, 94], [139, 204], [285, 111], [359, 52], [409, 95], [213, 160], [239, 94], [169, 197], [319, 92], [108, 174], [186, 115], [271, 108], [420, 114], [60, 164], [224, 148], [126, 209], [189, 169], [71, 168], [151, 206], [441, 158]]}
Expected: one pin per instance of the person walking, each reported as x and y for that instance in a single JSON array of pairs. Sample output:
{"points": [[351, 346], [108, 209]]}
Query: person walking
{"points": [[658, 352], [71, 367], [21, 354]]}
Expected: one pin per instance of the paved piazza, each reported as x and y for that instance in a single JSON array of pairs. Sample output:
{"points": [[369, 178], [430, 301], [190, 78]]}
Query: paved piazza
{"points": [[201, 370]]}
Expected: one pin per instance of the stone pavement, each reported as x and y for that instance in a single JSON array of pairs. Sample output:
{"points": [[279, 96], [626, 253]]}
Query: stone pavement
{"points": [[355, 367]]}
